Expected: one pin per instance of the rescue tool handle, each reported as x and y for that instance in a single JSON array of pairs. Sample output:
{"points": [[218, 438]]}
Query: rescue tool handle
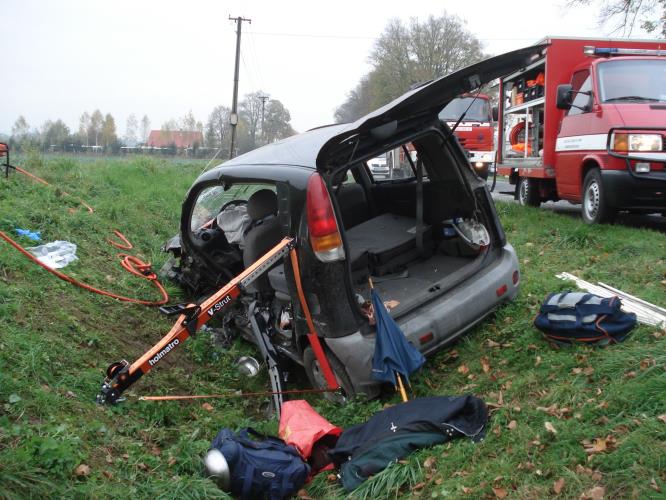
{"points": [[178, 309], [192, 318]]}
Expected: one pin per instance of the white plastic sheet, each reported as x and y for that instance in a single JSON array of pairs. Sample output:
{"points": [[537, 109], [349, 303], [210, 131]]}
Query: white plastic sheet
{"points": [[56, 254]]}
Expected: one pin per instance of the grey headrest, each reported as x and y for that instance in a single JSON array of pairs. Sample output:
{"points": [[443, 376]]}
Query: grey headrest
{"points": [[262, 204]]}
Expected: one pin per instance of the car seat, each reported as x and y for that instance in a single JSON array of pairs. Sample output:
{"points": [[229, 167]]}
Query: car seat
{"points": [[265, 232], [351, 200]]}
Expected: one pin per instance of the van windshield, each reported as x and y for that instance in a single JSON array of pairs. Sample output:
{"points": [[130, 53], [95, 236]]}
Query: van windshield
{"points": [[479, 112], [632, 81]]}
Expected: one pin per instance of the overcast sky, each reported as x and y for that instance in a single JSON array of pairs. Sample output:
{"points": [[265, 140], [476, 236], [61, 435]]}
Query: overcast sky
{"points": [[165, 58]]}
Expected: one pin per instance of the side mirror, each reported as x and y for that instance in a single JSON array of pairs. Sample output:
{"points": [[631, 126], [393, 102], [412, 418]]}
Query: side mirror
{"points": [[564, 96], [495, 113]]}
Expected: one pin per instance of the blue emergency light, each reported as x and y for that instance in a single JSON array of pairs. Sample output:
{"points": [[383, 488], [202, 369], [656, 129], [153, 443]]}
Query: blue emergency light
{"points": [[590, 50]]}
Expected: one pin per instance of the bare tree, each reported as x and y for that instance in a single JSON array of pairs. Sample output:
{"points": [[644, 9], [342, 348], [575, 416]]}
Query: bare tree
{"points": [[188, 122], [131, 127], [620, 17], [217, 127], [20, 129], [145, 129], [250, 112], [108, 132], [95, 126], [84, 127]]}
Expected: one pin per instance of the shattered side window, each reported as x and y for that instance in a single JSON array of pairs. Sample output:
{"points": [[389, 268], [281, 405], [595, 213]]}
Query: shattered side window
{"points": [[213, 198], [207, 206]]}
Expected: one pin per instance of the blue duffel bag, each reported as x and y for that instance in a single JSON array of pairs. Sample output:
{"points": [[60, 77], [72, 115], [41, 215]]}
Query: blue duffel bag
{"points": [[569, 317], [265, 468]]}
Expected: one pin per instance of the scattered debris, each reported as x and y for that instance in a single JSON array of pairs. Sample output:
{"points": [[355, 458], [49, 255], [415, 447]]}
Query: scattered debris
{"points": [[645, 312], [82, 470], [31, 235], [56, 254], [558, 485]]}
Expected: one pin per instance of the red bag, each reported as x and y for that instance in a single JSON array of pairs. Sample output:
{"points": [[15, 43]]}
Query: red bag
{"points": [[310, 433]]}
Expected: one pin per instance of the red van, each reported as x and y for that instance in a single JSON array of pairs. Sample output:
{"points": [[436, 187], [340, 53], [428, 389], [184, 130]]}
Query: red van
{"points": [[475, 131], [586, 123]]}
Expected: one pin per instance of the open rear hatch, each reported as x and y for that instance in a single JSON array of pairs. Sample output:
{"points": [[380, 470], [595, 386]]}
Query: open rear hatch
{"points": [[408, 245], [417, 106]]}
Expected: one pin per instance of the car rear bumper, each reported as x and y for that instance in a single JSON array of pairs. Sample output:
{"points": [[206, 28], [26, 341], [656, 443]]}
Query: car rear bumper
{"points": [[640, 191], [446, 317]]}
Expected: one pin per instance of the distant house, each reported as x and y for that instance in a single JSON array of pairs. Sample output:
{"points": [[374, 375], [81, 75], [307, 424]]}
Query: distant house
{"points": [[183, 139]]}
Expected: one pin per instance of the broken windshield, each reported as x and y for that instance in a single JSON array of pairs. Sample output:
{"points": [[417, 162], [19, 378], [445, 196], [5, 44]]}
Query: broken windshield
{"points": [[478, 112], [632, 81]]}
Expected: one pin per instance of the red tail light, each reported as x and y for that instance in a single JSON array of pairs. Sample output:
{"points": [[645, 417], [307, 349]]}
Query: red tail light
{"points": [[322, 225]]}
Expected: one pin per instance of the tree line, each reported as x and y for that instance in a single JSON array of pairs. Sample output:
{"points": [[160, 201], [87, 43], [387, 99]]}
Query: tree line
{"points": [[407, 54], [261, 120]]}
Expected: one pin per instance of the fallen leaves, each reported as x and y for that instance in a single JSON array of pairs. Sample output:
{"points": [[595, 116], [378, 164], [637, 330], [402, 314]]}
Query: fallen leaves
{"points": [[550, 427], [554, 411], [207, 407], [662, 418], [82, 470], [485, 364], [303, 495], [500, 492], [595, 475], [654, 485], [596, 493], [558, 486], [512, 425], [647, 363], [463, 369], [429, 462], [599, 445]]}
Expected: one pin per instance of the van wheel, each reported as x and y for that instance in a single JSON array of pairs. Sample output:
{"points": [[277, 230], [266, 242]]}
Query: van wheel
{"points": [[527, 192], [595, 206], [318, 381]]}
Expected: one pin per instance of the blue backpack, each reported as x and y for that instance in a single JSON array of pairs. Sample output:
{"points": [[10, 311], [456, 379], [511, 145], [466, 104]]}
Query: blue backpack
{"points": [[570, 317], [268, 468]]}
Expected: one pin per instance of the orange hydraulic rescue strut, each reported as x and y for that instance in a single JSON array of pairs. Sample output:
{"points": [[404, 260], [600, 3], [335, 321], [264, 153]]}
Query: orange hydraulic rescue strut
{"points": [[191, 317]]}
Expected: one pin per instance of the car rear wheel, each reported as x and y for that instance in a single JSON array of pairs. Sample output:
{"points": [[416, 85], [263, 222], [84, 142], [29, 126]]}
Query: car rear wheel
{"points": [[316, 376], [527, 192], [595, 205]]}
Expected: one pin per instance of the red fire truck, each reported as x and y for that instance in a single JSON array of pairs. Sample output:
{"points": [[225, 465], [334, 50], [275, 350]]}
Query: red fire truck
{"points": [[475, 131], [586, 123]]}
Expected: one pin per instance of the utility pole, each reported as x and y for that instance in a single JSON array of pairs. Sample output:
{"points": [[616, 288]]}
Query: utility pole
{"points": [[233, 117], [263, 99]]}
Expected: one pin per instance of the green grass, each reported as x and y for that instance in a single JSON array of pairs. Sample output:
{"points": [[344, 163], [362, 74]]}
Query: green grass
{"points": [[57, 340]]}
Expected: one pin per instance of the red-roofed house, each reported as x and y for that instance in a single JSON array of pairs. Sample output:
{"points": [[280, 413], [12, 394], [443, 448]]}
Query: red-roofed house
{"points": [[183, 139]]}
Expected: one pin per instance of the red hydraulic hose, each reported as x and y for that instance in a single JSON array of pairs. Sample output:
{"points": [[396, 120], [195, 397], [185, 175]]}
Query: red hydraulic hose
{"points": [[132, 264], [135, 265]]}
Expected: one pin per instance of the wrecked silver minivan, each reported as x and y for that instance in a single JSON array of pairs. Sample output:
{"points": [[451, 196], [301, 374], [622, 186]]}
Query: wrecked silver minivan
{"points": [[430, 238]]}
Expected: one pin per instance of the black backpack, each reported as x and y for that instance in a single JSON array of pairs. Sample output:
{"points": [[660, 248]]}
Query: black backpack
{"points": [[268, 468], [570, 317]]}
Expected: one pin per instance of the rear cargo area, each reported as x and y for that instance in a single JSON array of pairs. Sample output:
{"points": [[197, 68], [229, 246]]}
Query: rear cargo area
{"points": [[382, 237]]}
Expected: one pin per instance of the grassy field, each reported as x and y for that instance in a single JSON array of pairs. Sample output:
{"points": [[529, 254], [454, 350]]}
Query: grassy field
{"points": [[574, 421]]}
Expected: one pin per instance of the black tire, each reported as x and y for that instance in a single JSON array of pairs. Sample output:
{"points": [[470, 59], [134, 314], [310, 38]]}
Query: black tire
{"points": [[318, 381], [527, 192], [595, 208]]}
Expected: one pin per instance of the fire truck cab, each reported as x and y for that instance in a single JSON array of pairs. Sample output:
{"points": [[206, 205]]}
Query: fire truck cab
{"points": [[586, 123], [475, 132]]}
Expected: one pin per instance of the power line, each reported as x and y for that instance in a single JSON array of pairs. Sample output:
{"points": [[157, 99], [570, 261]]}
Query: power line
{"points": [[361, 37]]}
